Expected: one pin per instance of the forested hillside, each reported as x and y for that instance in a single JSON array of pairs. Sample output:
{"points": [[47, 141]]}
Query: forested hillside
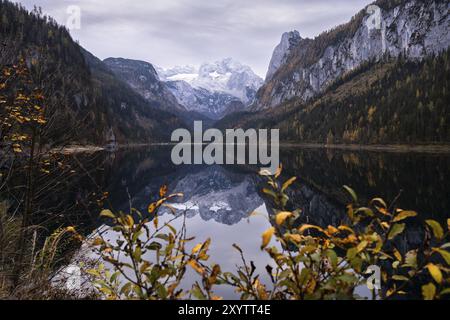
{"points": [[413, 30], [385, 102]]}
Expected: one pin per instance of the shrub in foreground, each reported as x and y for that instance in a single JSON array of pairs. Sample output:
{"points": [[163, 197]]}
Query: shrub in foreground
{"points": [[149, 260]]}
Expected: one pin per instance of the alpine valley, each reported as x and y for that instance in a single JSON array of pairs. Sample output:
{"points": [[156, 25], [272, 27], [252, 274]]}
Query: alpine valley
{"points": [[354, 84], [98, 200]]}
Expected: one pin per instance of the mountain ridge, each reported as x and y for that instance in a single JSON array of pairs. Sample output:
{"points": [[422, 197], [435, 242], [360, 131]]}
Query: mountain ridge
{"points": [[213, 90], [413, 28], [88, 104]]}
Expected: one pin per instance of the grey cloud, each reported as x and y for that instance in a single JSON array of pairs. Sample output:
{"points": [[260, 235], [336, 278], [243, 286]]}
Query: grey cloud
{"points": [[179, 32]]}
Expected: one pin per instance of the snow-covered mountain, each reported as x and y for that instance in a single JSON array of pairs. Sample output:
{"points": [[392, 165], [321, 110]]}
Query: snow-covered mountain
{"points": [[214, 89], [213, 104]]}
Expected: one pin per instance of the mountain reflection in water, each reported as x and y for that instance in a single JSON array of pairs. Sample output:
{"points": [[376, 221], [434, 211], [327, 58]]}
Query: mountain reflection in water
{"points": [[219, 199]]}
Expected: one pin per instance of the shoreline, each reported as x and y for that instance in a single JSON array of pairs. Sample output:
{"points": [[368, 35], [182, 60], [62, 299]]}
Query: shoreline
{"points": [[394, 148]]}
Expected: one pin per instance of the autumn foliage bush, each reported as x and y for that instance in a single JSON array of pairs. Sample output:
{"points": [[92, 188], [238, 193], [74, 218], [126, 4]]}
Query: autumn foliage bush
{"points": [[307, 261]]}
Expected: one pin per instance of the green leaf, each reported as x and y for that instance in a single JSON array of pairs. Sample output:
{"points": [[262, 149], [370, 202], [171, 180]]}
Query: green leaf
{"points": [[331, 254], [93, 272], [429, 291], [197, 293], [411, 259], [162, 236], [437, 229], [352, 193], [396, 230], [162, 292], [137, 254], [403, 215], [154, 246], [351, 253]]}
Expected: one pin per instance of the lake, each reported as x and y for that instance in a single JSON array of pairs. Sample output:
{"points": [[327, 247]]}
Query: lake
{"points": [[218, 199]]}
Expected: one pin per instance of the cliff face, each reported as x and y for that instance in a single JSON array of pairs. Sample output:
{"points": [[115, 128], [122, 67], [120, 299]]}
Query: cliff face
{"points": [[87, 103], [289, 40], [142, 77], [302, 68], [214, 105]]}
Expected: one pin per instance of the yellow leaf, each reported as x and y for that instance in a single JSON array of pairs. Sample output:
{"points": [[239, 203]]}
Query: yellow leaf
{"points": [[403, 215], [332, 230], [267, 236], [346, 228], [129, 220], [279, 170], [265, 172], [429, 291], [385, 225], [397, 255], [97, 241], [437, 229], [361, 246], [352, 193], [435, 272], [107, 213], [296, 238], [383, 211], [309, 226], [197, 248], [70, 229], [194, 264], [288, 183], [396, 230], [308, 249], [282, 216], [162, 191], [445, 254]]}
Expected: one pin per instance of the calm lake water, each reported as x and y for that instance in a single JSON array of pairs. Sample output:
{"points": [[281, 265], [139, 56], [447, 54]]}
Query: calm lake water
{"points": [[219, 199]]}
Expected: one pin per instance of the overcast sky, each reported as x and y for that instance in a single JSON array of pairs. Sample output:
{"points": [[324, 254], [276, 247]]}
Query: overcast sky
{"points": [[179, 32]]}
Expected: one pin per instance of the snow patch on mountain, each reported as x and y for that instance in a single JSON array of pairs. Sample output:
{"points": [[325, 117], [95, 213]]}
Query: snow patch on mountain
{"points": [[213, 89], [226, 76], [289, 40]]}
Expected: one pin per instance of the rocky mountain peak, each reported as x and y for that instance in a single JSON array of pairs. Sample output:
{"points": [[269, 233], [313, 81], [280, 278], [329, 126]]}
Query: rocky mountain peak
{"points": [[411, 29], [289, 40], [215, 88]]}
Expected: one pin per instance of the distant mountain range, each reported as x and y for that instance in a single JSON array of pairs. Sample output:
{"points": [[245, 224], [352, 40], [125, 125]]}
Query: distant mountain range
{"points": [[226, 76], [213, 90]]}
